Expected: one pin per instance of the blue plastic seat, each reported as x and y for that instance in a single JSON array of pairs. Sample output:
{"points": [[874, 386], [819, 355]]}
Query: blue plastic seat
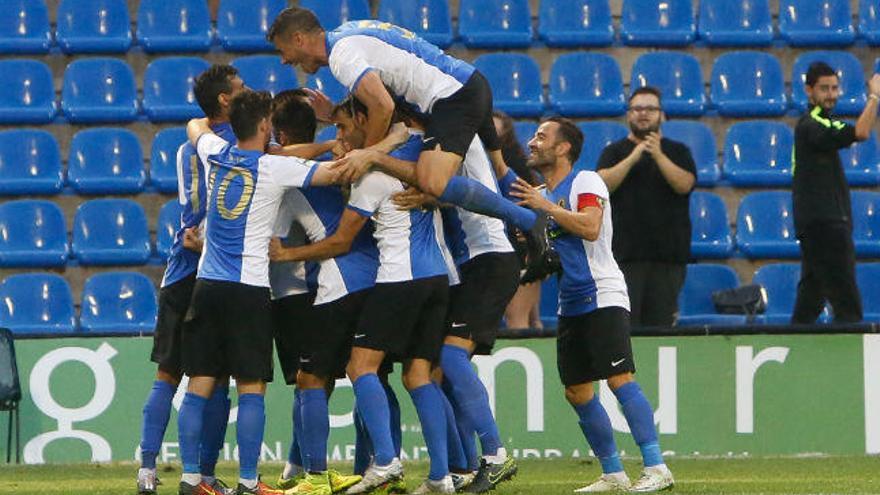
{"points": [[495, 23], [118, 302], [524, 131], [323, 80], [866, 223], [111, 232], [28, 95], [868, 280], [695, 305], [30, 163], [168, 88], [569, 23], [679, 78], [765, 226], [710, 230], [861, 162], [327, 133], [597, 136], [735, 22], [106, 161], [548, 307], [657, 22], [32, 233], [36, 303], [748, 84], [266, 73], [850, 72], [586, 84], [429, 19], [167, 224], [174, 26], [99, 90], [93, 26], [516, 83], [332, 13], [758, 153], [701, 141], [242, 24], [163, 158], [816, 22], [780, 281], [24, 26], [869, 21]]}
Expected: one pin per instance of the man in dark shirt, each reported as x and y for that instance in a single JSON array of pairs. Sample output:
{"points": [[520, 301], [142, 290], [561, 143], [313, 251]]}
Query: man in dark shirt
{"points": [[820, 196], [650, 179]]}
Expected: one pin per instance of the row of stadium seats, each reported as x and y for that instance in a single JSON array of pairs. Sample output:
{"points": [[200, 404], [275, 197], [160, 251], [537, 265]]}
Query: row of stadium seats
{"points": [[104, 26], [778, 279]]}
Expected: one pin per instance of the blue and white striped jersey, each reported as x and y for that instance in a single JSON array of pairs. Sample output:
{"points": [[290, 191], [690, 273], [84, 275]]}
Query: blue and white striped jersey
{"points": [[292, 278]]}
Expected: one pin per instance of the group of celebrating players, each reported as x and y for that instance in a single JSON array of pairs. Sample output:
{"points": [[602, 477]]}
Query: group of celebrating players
{"points": [[393, 249]]}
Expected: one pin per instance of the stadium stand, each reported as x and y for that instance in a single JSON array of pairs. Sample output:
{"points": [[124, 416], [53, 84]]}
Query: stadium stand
{"points": [[33, 234], [106, 161], [816, 22], [765, 226], [332, 13], [166, 226], [861, 163], [24, 27], [780, 282], [30, 162], [265, 73], [700, 140], [118, 302], [525, 130], [163, 159], [549, 303], [110, 232], [93, 26], [695, 301], [168, 88], [748, 84], [28, 96], [242, 24], [586, 84], [324, 81], [99, 90], [868, 280], [495, 23], [515, 81], [725, 23], [36, 303], [429, 19], [849, 70], [657, 23], [869, 21], [174, 26], [866, 223], [710, 231], [679, 78], [575, 23], [597, 135], [758, 154]]}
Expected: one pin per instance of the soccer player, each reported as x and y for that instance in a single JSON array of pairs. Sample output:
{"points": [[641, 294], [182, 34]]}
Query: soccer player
{"points": [[213, 90], [369, 56], [593, 341], [228, 328]]}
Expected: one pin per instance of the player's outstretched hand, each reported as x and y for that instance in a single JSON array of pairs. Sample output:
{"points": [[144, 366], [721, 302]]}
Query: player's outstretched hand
{"points": [[530, 196], [413, 198], [322, 105], [358, 163], [277, 252]]}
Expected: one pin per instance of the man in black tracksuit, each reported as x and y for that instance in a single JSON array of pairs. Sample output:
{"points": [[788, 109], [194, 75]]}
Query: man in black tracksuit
{"points": [[822, 210]]}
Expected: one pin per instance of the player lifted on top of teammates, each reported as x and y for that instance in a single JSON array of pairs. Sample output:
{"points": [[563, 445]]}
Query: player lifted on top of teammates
{"points": [[369, 56]]}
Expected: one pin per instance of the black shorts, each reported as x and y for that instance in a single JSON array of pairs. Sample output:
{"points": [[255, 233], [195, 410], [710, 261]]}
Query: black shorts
{"points": [[173, 303], [293, 318], [477, 304], [228, 331], [456, 119], [328, 346], [406, 320], [594, 346]]}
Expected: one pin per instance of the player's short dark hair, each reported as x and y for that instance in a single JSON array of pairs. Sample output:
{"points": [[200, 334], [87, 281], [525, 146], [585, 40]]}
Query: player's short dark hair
{"points": [[818, 70], [647, 90], [294, 116], [216, 80], [351, 106], [246, 111], [568, 132], [293, 20]]}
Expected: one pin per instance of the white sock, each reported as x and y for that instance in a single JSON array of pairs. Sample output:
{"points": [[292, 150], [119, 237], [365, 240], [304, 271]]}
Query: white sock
{"points": [[191, 478], [144, 472], [248, 483], [499, 457], [290, 470], [209, 480]]}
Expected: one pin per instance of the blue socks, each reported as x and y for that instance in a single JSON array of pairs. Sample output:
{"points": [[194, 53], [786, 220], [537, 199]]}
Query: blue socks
{"points": [[372, 404], [363, 448], [640, 418], [189, 427], [214, 421], [432, 416], [474, 196], [470, 396], [294, 455], [465, 431], [457, 459], [249, 433], [394, 410], [315, 428], [594, 422], [157, 410]]}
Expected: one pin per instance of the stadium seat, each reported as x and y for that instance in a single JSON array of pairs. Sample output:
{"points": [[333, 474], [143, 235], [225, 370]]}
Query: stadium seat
{"points": [[110, 232], [748, 84], [710, 230], [495, 23], [861, 162], [174, 26], [735, 22], [332, 13], [597, 136], [571, 23], [516, 83], [99, 90], [695, 305], [167, 225], [106, 161], [524, 131], [163, 158], [242, 24], [266, 73], [326, 133], [780, 281], [93, 26], [30, 162], [869, 21], [701, 141], [548, 308], [32, 233], [586, 84], [168, 88], [758, 154], [323, 80], [657, 22], [429, 19], [850, 72], [24, 26], [36, 303], [679, 78], [866, 223], [765, 226], [816, 22], [28, 96], [868, 280], [118, 302]]}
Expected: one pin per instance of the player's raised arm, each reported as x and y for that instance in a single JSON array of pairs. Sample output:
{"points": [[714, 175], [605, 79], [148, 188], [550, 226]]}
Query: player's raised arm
{"points": [[372, 93], [335, 245], [195, 128], [585, 222]]}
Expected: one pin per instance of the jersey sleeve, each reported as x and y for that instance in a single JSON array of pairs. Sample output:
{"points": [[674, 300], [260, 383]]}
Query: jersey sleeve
{"points": [[828, 134], [286, 214], [288, 171], [348, 63], [209, 144], [368, 193], [588, 190]]}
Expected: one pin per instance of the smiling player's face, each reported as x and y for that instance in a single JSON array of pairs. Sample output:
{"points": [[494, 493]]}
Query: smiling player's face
{"points": [[300, 50], [349, 132]]}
